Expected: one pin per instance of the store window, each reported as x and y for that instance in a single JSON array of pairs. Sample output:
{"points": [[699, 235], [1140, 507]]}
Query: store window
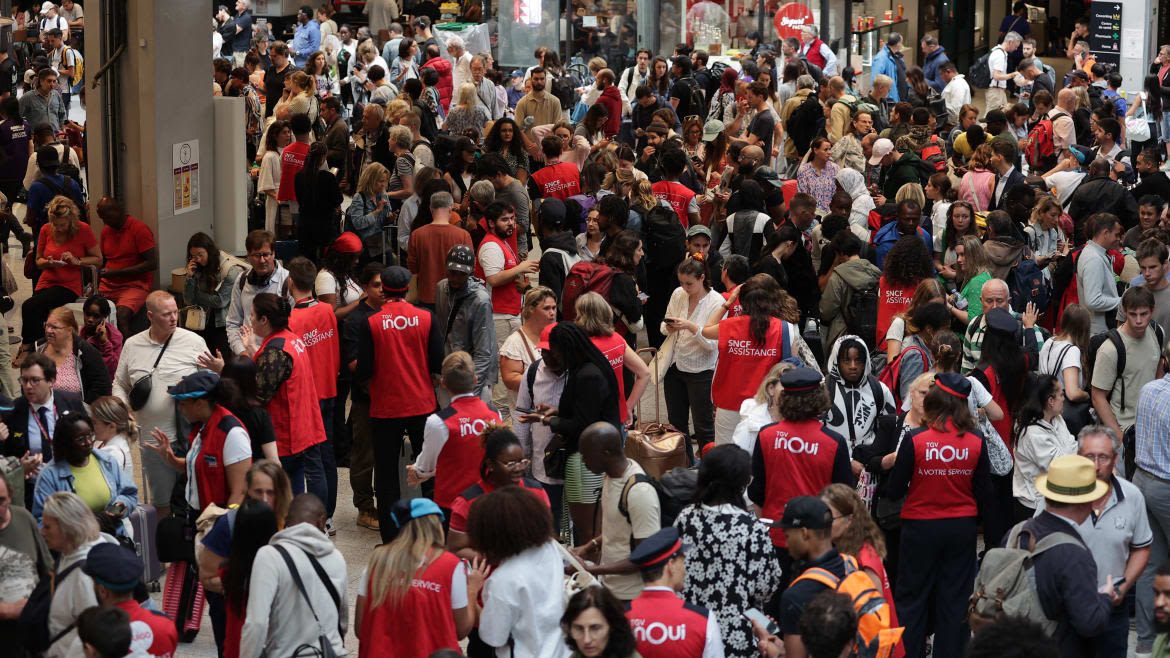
{"points": [[522, 25]]}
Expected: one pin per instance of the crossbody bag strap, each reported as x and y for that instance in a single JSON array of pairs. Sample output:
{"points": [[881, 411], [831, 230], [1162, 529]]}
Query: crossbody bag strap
{"points": [[292, 568], [161, 353], [527, 347], [451, 317], [328, 586], [56, 579]]}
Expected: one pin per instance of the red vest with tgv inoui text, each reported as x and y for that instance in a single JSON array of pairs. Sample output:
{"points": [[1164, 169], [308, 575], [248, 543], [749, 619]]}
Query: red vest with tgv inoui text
{"points": [[944, 471], [458, 465], [743, 362], [295, 409], [401, 383], [665, 626], [799, 459]]}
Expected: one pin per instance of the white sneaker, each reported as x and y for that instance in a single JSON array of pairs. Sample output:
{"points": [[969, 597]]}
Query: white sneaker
{"points": [[329, 529]]}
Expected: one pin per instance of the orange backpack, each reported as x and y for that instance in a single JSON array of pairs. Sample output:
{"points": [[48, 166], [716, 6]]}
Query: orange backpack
{"points": [[875, 638]]}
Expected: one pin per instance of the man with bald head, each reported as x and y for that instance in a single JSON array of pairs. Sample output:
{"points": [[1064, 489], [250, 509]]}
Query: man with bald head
{"points": [[131, 258], [751, 159], [842, 112], [279, 617], [168, 353], [610, 97], [995, 294], [627, 487], [1063, 132]]}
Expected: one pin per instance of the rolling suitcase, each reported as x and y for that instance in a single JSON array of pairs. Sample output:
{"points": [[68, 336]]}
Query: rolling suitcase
{"points": [[183, 599], [144, 524]]}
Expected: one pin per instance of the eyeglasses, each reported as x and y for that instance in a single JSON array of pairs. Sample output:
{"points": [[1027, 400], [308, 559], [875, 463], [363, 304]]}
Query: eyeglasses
{"points": [[522, 463], [262, 255], [1099, 459], [32, 381]]}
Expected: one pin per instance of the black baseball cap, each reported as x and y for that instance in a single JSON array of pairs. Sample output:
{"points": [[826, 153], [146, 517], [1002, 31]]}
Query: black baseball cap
{"points": [[806, 512]]}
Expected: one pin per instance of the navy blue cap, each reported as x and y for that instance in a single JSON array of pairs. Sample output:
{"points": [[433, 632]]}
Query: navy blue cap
{"points": [[799, 381], [1000, 321], [658, 548], [113, 567], [806, 512], [195, 385], [413, 508], [553, 213], [395, 278], [953, 383]]}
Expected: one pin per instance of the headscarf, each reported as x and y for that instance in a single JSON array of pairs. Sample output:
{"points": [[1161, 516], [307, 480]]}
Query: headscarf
{"points": [[854, 183]]}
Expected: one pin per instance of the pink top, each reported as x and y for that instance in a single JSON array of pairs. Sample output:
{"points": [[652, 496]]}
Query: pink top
{"points": [[976, 188], [67, 379]]}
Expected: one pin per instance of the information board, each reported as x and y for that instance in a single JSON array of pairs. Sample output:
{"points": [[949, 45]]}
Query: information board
{"points": [[1105, 32]]}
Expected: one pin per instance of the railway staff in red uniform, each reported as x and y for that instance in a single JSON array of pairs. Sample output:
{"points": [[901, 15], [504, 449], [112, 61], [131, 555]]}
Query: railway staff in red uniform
{"points": [[664, 625]]}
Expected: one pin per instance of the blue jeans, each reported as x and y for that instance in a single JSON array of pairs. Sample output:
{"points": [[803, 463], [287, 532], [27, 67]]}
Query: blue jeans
{"points": [[294, 466], [306, 473], [328, 459]]}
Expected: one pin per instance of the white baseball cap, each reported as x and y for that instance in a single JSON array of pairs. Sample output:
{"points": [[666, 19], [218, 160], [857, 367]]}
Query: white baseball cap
{"points": [[881, 149], [46, 6]]}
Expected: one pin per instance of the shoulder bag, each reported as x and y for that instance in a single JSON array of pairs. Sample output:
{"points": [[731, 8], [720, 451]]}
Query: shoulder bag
{"points": [[140, 390]]}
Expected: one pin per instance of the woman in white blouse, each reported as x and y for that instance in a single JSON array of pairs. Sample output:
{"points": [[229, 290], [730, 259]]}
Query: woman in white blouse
{"points": [[519, 349], [691, 357], [114, 429]]}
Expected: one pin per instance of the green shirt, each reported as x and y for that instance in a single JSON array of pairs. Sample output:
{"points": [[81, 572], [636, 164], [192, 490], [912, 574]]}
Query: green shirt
{"points": [[1161, 650], [971, 292], [90, 484]]}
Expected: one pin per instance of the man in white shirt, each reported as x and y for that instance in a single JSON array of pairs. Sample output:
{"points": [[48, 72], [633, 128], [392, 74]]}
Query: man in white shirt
{"points": [[810, 41], [634, 76], [1069, 173], [1107, 133], [166, 353], [64, 61], [957, 92], [461, 63], [997, 61], [630, 510], [485, 90]]}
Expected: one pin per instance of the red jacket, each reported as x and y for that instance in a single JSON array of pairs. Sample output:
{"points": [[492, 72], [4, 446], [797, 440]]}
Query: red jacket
{"points": [[445, 81], [611, 98]]}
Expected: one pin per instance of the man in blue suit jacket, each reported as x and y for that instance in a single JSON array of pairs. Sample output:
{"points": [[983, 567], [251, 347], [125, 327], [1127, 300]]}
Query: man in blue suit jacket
{"points": [[1006, 174]]}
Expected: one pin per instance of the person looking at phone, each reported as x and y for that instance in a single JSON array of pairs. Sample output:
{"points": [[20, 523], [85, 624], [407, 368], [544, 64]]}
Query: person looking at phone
{"points": [[93, 475], [692, 631]]}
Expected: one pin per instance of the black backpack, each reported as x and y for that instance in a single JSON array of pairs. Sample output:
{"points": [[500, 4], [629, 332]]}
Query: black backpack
{"points": [[979, 75], [675, 491], [861, 315], [34, 617], [802, 123], [1114, 336], [1026, 283], [564, 87], [664, 240], [698, 95]]}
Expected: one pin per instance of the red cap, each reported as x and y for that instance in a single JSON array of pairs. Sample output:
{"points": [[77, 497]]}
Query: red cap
{"points": [[347, 243], [543, 344]]}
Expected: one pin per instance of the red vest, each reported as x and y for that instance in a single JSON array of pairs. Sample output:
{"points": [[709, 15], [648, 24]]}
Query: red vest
{"points": [[891, 301], [295, 409], [151, 633], [677, 195], [505, 298], [736, 309], [613, 347], [418, 625], [743, 364], [559, 181], [316, 324], [401, 385], [459, 460], [798, 460], [210, 473], [1003, 425], [813, 55], [292, 160], [665, 626], [944, 467]]}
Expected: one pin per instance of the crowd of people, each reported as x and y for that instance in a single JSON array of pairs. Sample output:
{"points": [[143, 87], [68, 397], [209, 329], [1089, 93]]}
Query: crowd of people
{"points": [[881, 324]]}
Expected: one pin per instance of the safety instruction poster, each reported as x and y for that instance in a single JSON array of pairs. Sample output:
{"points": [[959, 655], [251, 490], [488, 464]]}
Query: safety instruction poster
{"points": [[185, 165]]}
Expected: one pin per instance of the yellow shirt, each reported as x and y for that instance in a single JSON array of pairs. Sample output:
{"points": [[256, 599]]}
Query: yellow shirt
{"points": [[90, 484], [961, 145]]}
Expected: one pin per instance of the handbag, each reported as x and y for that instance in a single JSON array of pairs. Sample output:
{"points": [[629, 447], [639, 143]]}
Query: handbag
{"points": [[140, 390], [657, 447], [580, 578], [1137, 126], [556, 457], [194, 318]]}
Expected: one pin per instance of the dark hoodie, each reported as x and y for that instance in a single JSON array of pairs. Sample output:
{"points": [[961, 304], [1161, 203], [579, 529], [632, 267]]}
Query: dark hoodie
{"points": [[553, 259], [906, 169], [611, 99]]}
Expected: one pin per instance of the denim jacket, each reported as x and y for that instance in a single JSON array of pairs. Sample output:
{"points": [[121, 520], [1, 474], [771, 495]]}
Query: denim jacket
{"points": [[362, 218], [56, 477]]}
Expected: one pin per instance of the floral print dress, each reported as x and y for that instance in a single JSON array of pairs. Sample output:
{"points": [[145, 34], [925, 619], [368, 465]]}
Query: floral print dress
{"points": [[731, 567]]}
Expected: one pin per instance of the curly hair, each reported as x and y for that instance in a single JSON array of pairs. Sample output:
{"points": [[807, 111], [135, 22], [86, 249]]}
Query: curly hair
{"points": [[621, 251], [507, 522], [63, 207], [862, 529], [908, 263], [803, 406]]}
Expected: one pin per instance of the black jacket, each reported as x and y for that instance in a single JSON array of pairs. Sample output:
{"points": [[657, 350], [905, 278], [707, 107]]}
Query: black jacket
{"points": [[17, 421], [1101, 194], [1014, 178], [552, 265], [95, 378], [1066, 584], [586, 399], [1156, 183]]}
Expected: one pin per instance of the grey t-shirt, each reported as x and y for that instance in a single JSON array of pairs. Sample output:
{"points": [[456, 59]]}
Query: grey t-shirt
{"points": [[23, 556]]}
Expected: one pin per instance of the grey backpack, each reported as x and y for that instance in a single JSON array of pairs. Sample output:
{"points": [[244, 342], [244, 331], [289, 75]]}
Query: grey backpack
{"points": [[1006, 583]]}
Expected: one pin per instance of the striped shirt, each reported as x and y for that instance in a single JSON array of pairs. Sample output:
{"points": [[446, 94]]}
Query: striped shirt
{"points": [[1152, 451]]}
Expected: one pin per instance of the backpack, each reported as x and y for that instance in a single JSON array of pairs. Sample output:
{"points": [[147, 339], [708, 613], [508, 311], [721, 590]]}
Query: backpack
{"points": [[857, 105], [875, 637], [319, 126], [67, 189], [979, 75], [34, 617], [861, 314], [933, 156], [664, 241], [1006, 582], [1026, 284], [802, 123], [698, 95], [78, 64], [674, 490], [1114, 336], [1118, 101], [1040, 151], [893, 370], [586, 276], [564, 87]]}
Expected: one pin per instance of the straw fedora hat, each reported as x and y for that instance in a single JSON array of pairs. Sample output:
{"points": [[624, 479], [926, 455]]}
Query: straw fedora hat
{"points": [[1071, 479]]}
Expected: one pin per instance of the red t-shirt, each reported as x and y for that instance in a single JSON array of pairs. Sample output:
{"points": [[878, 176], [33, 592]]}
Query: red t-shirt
{"points": [[316, 324], [151, 633], [463, 501], [292, 160], [613, 347], [68, 276], [123, 248]]}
